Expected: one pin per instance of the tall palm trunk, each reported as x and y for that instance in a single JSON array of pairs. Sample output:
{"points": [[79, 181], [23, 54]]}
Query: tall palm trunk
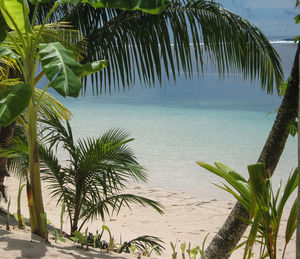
{"points": [[6, 134], [233, 228]]}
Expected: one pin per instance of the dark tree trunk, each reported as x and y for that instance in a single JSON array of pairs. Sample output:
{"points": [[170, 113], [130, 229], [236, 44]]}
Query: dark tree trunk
{"points": [[6, 134], [233, 228]]}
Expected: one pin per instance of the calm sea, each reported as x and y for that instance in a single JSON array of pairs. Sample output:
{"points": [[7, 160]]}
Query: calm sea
{"points": [[200, 119]]}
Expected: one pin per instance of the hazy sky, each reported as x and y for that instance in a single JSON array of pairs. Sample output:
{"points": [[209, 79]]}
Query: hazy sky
{"points": [[273, 17]]}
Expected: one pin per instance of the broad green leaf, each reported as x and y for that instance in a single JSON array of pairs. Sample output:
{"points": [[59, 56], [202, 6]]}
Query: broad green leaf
{"points": [[13, 101], [16, 10], [147, 6], [60, 65], [90, 68], [6, 52]]}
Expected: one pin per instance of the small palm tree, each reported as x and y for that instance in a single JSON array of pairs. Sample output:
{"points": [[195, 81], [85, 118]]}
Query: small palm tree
{"points": [[92, 183], [264, 206]]}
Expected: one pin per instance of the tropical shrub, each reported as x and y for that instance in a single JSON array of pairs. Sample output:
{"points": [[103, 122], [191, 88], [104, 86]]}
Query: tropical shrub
{"points": [[98, 170], [145, 244], [265, 206]]}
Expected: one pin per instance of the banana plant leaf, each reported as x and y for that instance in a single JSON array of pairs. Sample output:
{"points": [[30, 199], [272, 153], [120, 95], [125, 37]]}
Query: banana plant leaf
{"points": [[59, 65], [91, 68], [13, 102], [17, 11]]}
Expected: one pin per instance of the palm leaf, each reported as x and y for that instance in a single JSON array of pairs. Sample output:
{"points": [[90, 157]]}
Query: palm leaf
{"points": [[142, 241], [199, 28], [230, 41]]}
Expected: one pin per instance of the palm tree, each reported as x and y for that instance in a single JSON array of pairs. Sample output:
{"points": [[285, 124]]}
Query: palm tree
{"points": [[233, 228], [97, 173]]}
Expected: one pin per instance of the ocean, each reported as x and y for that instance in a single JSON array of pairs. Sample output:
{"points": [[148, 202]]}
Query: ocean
{"points": [[199, 119]]}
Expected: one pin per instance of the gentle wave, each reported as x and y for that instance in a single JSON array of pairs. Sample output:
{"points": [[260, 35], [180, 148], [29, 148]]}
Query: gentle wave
{"points": [[282, 42]]}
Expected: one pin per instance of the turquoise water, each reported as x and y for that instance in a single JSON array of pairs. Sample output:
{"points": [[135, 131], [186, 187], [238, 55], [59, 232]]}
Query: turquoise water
{"points": [[174, 126]]}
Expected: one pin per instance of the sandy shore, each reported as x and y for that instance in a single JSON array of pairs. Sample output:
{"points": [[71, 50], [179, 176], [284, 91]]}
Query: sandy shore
{"points": [[186, 219]]}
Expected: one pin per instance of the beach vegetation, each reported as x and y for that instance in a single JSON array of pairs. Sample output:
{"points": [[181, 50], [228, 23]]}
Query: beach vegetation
{"points": [[92, 184], [57, 236], [80, 238], [264, 205], [191, 252], [174, 253], [29, 45], [145, 244], [19, 217]]}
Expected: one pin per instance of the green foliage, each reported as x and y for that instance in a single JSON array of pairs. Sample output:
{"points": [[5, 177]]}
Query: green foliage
{"points": [[120, 38], [191, 252], [6, 52], [57, 237], [99, 170], [30, 46], [22, 219], [80, 238], [145, 244], [265, 207], [174, 253], [15, 14], [293, 127], [148, 6], [111, 242], [13, 101], [183, 249], [59, 65]]}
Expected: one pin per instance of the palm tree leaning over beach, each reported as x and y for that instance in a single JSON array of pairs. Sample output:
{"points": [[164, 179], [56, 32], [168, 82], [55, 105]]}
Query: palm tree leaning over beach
{"points": [[143, 47]]}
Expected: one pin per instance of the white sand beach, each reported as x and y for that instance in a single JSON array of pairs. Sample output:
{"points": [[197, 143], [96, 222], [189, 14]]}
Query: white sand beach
{"points": [[186, 219]]}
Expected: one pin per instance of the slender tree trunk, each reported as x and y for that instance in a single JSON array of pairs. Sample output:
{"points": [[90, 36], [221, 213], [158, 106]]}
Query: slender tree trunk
{"points": [[35, 201], [6, 134], [233, 228]]}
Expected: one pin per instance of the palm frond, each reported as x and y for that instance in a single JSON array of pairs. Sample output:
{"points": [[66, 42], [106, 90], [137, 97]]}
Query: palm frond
{"points": [[141, 242], [56, 133], [49, 105], [199, 28]]}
